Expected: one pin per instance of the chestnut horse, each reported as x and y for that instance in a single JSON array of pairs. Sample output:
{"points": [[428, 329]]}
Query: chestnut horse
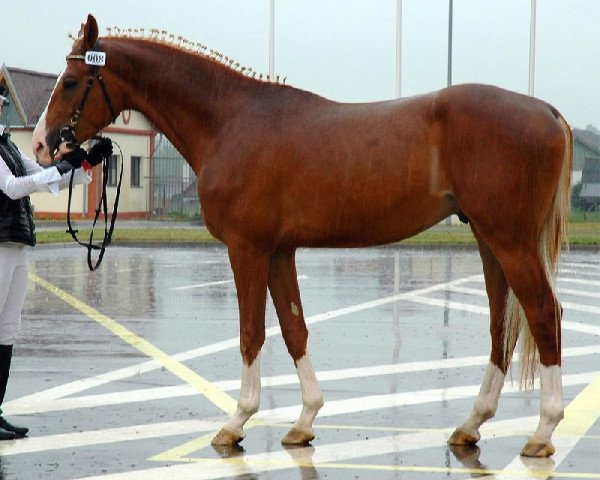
{"points": [[280, 168]]}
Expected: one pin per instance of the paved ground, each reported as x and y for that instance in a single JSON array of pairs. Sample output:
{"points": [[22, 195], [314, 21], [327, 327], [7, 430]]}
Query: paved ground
{"points": [[110, 367]]}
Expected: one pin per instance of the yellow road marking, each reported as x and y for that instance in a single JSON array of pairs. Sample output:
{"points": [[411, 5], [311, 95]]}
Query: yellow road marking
{"points": [[582, 412], [377, 428], [181, 452], [214, 394], [526, 473], [472, 471]]}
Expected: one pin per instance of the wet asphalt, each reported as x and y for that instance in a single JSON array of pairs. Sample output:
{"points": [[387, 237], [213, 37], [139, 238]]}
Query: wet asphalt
{"points": [[82, 383]]}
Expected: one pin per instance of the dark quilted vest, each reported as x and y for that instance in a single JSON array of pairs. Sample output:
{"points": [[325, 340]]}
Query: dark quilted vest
{"points": [[16, 216]]}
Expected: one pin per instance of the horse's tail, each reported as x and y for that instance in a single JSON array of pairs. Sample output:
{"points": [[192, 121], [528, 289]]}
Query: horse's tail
{"points": [[554, 231]]}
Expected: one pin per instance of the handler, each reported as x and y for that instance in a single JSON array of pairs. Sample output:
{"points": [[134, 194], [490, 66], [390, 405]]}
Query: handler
{"points": [[19, 177]]}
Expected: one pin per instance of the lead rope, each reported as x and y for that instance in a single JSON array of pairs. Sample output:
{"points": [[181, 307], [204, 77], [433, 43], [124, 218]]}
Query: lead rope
{"points": [[102, 206]]}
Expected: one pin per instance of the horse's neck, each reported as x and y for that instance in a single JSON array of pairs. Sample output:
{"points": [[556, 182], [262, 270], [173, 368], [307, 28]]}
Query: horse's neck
{"points": [[175, 90]]}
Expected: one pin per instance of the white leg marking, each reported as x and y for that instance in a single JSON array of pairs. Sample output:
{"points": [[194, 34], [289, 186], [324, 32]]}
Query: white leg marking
{"points": [[552, 406], [249, 397], [312, 397], [486, 402]]}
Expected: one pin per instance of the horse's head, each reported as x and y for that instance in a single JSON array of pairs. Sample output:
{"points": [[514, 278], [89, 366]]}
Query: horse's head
{"points": [[80, 105]]}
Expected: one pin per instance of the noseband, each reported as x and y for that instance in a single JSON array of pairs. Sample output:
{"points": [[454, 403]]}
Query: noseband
{"points": [[95, 59]]}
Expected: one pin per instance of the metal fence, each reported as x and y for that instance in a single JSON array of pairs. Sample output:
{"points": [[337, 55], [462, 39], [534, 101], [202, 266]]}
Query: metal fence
{"points": [[172, 184], [169, 196]]}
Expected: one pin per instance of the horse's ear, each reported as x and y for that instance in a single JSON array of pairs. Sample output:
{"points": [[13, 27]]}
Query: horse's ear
{"points": [[90, 32]]}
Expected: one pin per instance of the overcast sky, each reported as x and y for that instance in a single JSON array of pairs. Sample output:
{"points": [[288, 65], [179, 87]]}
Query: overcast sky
{"points": [[346, 49]]}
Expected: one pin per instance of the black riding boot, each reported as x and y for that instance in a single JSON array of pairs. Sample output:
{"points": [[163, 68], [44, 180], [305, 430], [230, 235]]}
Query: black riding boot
{"points": [[7, 430]]}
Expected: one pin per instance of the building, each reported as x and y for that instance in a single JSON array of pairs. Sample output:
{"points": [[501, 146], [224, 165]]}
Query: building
{"points": [[586, 159], [29, 93]]}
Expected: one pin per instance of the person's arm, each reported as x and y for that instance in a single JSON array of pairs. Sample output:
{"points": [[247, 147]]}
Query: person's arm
{"points": [[32, 167], [39, 180], [19, 187]]}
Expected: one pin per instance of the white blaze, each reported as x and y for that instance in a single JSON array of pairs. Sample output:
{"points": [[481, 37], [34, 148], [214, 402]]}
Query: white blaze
{"points": [[40, 131]]}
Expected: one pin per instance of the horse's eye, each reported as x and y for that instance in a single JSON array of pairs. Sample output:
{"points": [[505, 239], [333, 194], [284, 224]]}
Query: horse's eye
{"points": [[69, 83]]}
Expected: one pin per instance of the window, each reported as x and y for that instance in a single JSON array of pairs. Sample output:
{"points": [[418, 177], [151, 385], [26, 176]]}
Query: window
{"points": [[135, 171], [112, 171]]}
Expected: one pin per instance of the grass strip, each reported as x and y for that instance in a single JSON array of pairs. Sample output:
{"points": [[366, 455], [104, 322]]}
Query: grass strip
{"points": [[579, 234]]}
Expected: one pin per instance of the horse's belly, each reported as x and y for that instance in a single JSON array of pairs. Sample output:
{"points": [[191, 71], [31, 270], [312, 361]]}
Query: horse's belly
{"points": [[365, 224]]}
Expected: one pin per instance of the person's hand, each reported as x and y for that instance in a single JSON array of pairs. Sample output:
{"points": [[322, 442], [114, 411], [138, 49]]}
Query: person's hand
{"points": [[100, 150], [71, 160]]}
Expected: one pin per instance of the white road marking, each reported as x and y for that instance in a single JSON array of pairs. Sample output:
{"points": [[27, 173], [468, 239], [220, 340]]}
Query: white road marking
{"points": [[320, 456], [401, 399], [48, 396], [390, 299], [579, 272], [566, 291], [579, 307], [109, 435], [77, 386], [581, 327], [595, 266], [219, 282], [277, 415], [467, 307], [580, 281], [202, 285], [580, 293], [28, 407], [452, 305]]}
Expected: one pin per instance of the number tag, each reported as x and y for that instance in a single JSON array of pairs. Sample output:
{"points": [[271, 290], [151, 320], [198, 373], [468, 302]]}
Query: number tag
{"points": [[97, 59]]}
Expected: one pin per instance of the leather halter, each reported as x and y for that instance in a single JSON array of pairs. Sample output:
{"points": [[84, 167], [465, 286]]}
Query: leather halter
{"points": [[67, 133]]}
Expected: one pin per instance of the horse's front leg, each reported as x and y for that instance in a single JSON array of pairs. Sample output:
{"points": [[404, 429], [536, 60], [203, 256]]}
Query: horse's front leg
{"points": [[250, 270], [283, 285]]}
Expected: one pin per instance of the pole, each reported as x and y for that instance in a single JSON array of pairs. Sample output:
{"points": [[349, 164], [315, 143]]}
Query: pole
{"points": [[272, 40], [398, 48], [532, 49], [450, 15], [449, 79]]}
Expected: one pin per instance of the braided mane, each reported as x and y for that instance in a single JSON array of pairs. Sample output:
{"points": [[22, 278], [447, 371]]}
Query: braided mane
{"points": [[177, 41]]}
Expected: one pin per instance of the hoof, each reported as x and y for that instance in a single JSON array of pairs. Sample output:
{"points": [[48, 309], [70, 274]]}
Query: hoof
{"points": [[537, 449], [462, 438], [298, 436], [229, 451], [227, 437], [466, 453]]}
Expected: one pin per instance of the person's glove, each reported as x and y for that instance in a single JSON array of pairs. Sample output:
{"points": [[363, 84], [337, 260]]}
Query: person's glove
{"points": [[71, 160], [100, 150]]}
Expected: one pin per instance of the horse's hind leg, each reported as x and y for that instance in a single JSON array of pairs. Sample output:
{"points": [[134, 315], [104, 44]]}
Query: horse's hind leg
{"points": [[283, 285], [529, 281], [493, 380], [250, 267]]}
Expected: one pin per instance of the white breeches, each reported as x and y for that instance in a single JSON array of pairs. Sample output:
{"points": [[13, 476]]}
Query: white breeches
{"points": [[13, 287]]}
